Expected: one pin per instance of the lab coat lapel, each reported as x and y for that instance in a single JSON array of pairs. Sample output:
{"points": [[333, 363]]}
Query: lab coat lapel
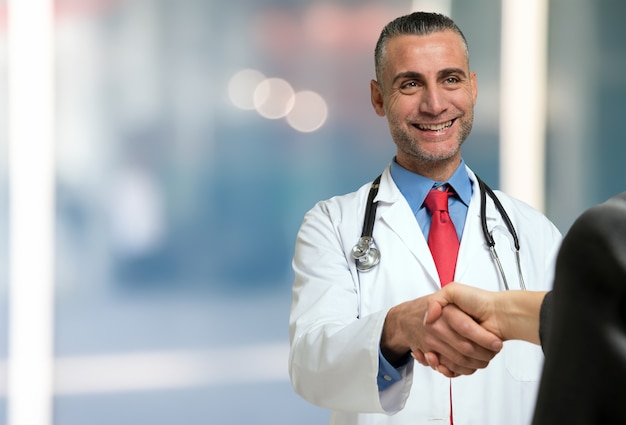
{"points": [[473, 241], [395, 213]]}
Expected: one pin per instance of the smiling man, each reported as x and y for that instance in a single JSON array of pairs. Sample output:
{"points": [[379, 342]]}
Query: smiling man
{"points": [[428, 93], [353, 327]]}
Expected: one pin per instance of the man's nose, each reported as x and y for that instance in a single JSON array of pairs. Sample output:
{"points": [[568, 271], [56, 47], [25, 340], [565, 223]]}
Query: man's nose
{"points": [[432, 101]]}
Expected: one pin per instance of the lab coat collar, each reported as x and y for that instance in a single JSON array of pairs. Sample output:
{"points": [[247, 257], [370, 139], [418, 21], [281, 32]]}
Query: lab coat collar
{"points": [[415, 187]]}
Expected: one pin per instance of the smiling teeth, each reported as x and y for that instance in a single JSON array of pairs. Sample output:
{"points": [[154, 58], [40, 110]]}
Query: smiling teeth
{"points": [[435, 127]]}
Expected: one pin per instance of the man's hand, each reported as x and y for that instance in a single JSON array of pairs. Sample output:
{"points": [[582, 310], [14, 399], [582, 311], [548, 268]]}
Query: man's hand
{"points": [[462, 344]]}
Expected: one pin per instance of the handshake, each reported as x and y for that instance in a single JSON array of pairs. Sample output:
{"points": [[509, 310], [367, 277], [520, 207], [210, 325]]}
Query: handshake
{"points": [[460, 328]]}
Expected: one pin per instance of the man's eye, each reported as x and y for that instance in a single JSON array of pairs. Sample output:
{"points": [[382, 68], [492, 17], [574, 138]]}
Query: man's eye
{"points": [[409, 87], [452, 80]]}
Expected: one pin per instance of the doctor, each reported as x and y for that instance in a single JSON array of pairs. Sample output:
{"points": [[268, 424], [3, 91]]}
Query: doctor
{"points": [[352, 332]]}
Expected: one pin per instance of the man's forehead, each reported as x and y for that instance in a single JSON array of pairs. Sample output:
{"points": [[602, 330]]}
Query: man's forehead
{"points": [[447, 39], [433, 50]]}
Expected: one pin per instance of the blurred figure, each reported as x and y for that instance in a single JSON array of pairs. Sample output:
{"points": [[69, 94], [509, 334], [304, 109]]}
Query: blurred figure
{"points": [[584, 376]]}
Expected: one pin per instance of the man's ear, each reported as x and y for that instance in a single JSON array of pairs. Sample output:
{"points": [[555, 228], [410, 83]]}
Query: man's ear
{"points": [[376, 95]]}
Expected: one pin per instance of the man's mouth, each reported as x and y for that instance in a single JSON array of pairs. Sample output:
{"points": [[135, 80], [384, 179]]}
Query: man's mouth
{"points": [[435, 127]]}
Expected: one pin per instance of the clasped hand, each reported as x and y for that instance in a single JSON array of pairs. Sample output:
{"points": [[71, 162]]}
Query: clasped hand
{"points": [[438, 334]]}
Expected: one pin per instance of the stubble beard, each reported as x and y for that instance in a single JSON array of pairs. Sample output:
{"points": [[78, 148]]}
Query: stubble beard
{"points": [[411, 146]]}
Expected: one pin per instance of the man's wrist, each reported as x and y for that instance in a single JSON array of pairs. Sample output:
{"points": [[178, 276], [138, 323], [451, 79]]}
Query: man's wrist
{"points": [[391, 345]]}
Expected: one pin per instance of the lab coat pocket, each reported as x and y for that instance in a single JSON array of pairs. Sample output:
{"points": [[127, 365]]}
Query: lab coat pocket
{"points": [[523, 360]]}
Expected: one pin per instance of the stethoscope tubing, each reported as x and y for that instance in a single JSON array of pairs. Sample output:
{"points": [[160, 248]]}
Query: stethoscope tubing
{"points": [[365, 255], [370, 214], [491, 243]]}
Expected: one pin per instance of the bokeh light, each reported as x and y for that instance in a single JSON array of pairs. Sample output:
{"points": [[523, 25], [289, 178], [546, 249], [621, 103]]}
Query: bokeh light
{"points": [[309, 112], [241, 88], [274, 98]]}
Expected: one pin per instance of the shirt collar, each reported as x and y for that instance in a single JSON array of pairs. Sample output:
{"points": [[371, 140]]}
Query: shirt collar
{"points": [[415, 187]]}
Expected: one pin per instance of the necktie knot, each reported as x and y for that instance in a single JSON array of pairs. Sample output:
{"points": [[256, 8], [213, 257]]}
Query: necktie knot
{"points": [[437, 200]]}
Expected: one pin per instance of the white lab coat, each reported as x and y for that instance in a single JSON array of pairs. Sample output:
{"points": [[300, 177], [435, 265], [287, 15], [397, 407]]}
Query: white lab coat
{"points": [[337, 313]]}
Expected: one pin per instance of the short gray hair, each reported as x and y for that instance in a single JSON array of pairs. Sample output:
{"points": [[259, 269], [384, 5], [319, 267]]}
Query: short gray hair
{"points": [[416, 23]]}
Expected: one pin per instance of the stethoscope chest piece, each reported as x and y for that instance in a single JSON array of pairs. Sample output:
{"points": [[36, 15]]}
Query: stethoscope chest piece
{"points": [[365, 254]]}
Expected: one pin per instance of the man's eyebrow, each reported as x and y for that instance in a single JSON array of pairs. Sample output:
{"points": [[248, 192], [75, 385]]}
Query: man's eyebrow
{"points": [[408, 75], [419, 76], [452, 71]]}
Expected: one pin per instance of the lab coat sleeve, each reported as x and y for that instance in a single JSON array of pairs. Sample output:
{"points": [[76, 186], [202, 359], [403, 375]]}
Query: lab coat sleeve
{"points": [[334, 359]]}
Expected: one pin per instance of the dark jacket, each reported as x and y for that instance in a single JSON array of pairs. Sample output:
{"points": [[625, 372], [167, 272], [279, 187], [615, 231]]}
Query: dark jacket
{"points": [[584, 323]]}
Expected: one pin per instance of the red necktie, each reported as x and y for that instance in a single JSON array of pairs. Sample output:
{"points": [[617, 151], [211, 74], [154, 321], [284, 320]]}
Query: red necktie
{"points": [[443, 242], [442, 239]]}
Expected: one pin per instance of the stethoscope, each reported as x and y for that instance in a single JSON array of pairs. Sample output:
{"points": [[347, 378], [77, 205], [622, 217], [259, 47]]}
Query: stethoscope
{"points": [[367, 256]]}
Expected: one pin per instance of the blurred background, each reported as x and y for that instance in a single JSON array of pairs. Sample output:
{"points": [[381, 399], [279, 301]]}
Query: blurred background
{"points": [[178, 200]]}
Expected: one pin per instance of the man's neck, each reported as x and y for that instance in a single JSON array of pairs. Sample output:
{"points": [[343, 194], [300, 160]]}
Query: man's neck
{"points": [[435, 170]]}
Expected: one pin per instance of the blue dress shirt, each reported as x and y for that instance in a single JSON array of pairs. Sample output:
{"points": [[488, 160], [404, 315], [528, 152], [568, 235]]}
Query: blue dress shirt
{"points": [[414, 188]]}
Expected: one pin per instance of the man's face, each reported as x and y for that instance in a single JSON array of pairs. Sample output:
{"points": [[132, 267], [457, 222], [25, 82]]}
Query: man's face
{"points": [[428, 94]]}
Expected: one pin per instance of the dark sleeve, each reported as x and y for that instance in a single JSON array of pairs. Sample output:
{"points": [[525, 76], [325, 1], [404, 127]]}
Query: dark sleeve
{"points": [[544, 319], [585, 357]]}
